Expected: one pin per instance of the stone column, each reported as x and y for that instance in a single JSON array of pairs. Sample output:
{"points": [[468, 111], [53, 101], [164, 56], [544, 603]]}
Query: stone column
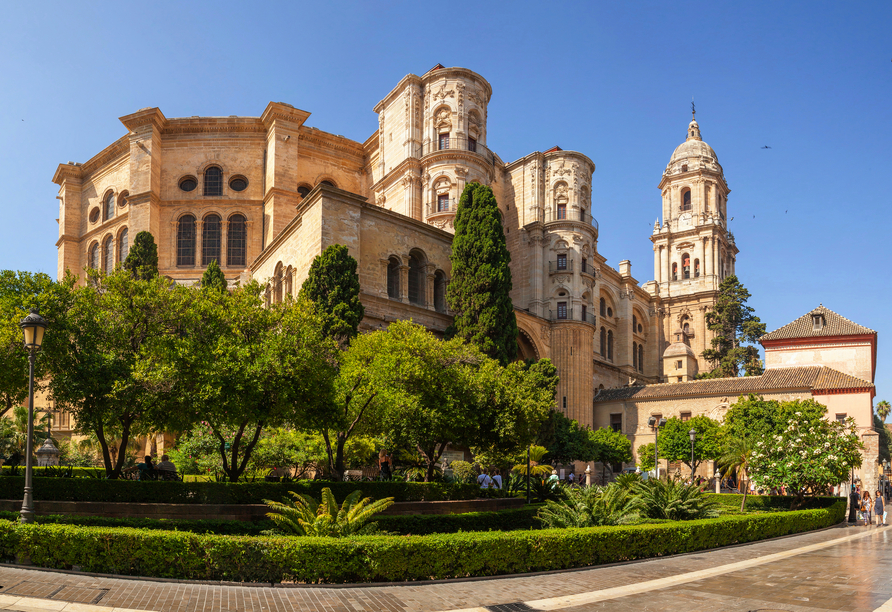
{"points": [[664, 260], [382, 287], [869, 457], [199, 224], [657, 265], [538, 271], [404, 282], [429, 288], [710, 262], [224, 242]]}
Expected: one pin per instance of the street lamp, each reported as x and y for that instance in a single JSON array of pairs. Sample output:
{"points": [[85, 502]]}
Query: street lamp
{"points": [[693, 435], [655, 425], [33, 327]]}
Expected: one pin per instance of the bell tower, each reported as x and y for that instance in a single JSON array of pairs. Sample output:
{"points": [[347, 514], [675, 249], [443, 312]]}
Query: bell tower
{"points": [[693, 249]]}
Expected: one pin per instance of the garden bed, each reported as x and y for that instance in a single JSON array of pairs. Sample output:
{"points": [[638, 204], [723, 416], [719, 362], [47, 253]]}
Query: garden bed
{"points": [[171, 554]]}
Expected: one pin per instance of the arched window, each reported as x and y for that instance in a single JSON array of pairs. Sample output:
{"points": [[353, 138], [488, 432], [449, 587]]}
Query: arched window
{"points": [[675, 271], [210, 240], [329, 183], [213, 181], [108, 255], [440, 291], [610, 345], [686, 200], [186, 241], [416, 280], [634, 323], [123, 245], [303, 190], [603, 341], [289, 274], [603, 308], [686, 266], [635, 356], [641, 358], [237, 241], [122, 199], [109, 208], [393, 278], [93, 258], [696, 268], [277, 284]]}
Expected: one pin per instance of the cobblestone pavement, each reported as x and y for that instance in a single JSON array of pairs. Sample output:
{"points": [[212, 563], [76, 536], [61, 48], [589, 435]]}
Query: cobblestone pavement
{"points": [[837, 569]]}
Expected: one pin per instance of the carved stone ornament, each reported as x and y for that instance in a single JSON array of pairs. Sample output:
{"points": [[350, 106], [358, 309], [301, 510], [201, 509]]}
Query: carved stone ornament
{"points": [[443, 119], [461, 171], [545, 334], [442, 93]]}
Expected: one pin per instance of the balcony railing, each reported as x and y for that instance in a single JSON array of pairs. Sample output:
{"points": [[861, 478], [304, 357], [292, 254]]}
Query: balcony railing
{"points": [[572, 314], [449, 206], [560, 266], [458, 144], [571, 214], [587, 268]]}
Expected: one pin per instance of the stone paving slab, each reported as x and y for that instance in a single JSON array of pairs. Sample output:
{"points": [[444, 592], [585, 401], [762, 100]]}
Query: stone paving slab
{"points": [[852, 574]]}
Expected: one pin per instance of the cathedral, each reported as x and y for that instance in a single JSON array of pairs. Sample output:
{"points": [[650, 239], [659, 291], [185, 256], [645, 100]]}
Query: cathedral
{"points": [[265, 195]]}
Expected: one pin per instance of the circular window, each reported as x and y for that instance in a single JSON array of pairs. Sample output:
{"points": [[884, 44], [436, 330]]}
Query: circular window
{"points": [[238, 183], [188, 184], [94, 215], [122, 199], [640, 328], [610, 312]]}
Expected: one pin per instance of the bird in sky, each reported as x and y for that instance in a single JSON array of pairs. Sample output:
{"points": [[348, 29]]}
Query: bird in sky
{"points": [[766, 147], [754, 216], [731, 219]]}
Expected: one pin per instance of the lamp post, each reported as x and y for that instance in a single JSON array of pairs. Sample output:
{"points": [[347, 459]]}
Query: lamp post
{"points": [[693, 435], [528, 474], [655, 425], [33, 327]]}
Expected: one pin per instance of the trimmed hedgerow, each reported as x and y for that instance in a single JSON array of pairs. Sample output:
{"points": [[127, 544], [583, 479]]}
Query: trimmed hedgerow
{"points": [[186, 555], [163, 492], [732, 501]]}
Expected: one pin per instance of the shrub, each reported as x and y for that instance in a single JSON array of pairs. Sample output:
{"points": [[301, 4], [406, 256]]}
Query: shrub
{"points": [[383, 558], [591, 507], [136, 492], [672, 499], [305, 517]]}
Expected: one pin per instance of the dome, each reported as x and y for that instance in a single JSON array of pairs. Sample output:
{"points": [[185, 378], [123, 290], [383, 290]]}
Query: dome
{"points": [[693, 154], [679, 349], [693, 148]]}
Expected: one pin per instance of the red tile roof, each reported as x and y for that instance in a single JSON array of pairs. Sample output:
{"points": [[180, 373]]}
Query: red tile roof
{"points": [[803, 327]]}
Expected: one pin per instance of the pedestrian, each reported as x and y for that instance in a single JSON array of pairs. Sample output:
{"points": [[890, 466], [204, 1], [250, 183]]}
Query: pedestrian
{"points": [[497, 479], [879, 509], [553, 477], [484, 480], [571, 478], [865, 507]]}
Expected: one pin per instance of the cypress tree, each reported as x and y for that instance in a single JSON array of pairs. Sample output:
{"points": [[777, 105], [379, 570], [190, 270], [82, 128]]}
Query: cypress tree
{"points": [[737, 330], [481, 278], [333, 284], [213, 278], [142, 260]]}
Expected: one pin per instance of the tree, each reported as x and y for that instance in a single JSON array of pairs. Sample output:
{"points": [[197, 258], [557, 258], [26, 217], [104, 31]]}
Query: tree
{"points": [[101, 334], [613, 447], [333, 284], [885, 440], [675, 441], [142, 259], [807, 456], [883, 408], [213, 278], [754, 417], [479, 293], [569, 441], [646, 457], [735, 459], [20, 291], [736, 331]]}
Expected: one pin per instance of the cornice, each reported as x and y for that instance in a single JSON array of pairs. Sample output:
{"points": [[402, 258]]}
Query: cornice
{"points": [[325, 140], [66, 238], [433, 76], [842, 340], [65, 172], [144, 117], [280, 111], [409, 79], [457, 154], [214, 125], [115, 150], [563, 153], [278, 191], [396, 174]]}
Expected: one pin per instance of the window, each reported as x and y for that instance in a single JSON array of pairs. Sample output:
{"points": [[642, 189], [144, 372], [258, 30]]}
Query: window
{"points": [[93, 258], [303, 190], [610, 345], [686, 266], [641, 358], [817, 322], [109, 211], [635, 356], [616, 422], [238, 183], [393, 278], [696, 268], [562, 261], [210, 240], [440, 291], [584, 312], [472, 144], [686, 200], [123, 246], [213, 181], [329, 183], [840, 416], [188, 183], [122, 199], [565, 403], [634, 323], [561, 211], [94, 215], [416, 280], [237, 241], [675, 271], [443, 202], [562, 310], [603, 307], [288, 276], [186, 241], [108, 255], [584, 262], [609, 311], [603, 342], [443, 141], [685, 417], [678, 364]]}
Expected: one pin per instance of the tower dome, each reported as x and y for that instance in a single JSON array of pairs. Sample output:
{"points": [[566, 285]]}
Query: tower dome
{"points": [[693, 153]]}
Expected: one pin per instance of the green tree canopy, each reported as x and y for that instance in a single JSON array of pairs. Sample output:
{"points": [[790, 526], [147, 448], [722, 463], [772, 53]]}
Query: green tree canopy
{"points": [[568, 441], [213, 278], [613, 446], [479, 292], [675, 441], [755, 417], [737, 331], [333, 285], [646, 457], [882, 409], [142, 258]]}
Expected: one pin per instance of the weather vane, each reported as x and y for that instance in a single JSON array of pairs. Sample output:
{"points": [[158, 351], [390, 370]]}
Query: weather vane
{"points": [[693, 108]]}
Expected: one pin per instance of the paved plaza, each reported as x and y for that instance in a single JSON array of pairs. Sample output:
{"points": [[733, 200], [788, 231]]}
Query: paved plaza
{"points": [[835, 569]]}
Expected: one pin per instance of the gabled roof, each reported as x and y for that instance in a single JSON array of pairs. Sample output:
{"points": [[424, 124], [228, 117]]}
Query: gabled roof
{"points": [[804, 378], [834, 325]]}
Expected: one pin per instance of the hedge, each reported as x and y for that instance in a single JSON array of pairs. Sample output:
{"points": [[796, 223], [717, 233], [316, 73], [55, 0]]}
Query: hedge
{"points": [[412, 524], [731, 501], [162, 492], [184, 555]]}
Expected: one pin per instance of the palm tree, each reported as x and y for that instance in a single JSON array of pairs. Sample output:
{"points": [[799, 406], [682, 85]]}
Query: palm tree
{"points": [[735, 460], [883, 409]]}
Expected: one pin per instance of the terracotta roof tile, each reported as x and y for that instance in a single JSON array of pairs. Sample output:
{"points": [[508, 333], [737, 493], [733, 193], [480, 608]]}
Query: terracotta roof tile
{"points": [[803, 327], [805, 378]]}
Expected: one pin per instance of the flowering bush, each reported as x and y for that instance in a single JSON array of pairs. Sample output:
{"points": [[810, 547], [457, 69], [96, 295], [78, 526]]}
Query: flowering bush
{"points": [[808, 455]]}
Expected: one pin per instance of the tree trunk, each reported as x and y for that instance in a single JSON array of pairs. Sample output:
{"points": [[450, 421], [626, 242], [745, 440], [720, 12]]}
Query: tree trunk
{"points": [[122, 449], [106, 454]]}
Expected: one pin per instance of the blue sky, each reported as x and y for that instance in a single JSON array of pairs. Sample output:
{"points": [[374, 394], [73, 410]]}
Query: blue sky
{"points": [[610, 79]]}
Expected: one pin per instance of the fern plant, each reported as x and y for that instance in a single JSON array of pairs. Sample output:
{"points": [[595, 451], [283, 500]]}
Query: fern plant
{"points": [[591, 507], [674, 500], [306, 517]]}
